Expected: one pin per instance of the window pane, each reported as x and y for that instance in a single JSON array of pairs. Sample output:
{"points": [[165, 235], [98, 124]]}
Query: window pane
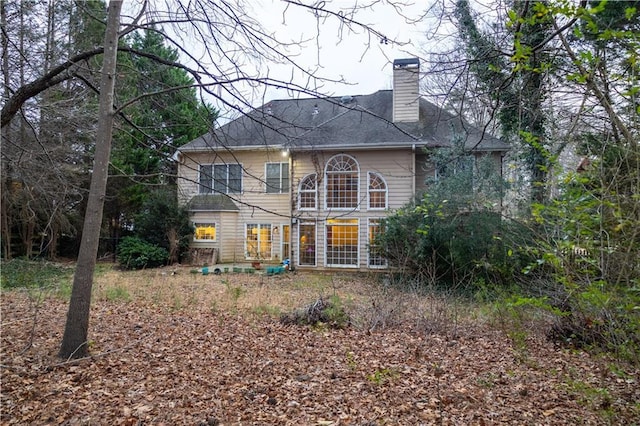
{"points": [[308, 244], [308, 192], [220, 178], [252, 241], [377, 200], [273, 178], [375, 258], [277, 178], [205, 231], [377, 192], [285, 177], [342, 183], [258, 241], [235, 178], [205, 179], [342, 242]]}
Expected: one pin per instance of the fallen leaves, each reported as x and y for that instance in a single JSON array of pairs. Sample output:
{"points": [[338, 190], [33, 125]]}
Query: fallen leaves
{"points": [[207, 367]]}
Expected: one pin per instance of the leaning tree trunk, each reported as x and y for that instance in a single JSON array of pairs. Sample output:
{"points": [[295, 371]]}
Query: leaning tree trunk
{"points": [[74, 341]]}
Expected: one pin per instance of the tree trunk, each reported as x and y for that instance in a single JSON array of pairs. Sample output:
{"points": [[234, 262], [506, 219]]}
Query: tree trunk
{"points": [[74, 341]]}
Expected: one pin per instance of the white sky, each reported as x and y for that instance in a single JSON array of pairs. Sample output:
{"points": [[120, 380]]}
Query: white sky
{"points": [[355, 56], [336, 53]]}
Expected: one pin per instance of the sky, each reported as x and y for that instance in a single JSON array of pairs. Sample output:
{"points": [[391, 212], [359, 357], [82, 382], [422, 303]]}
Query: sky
{"points": [[331, 50], [354, 55]]}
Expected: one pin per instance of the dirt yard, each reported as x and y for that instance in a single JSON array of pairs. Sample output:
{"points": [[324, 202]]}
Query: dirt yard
{"points": [[175, 347]]}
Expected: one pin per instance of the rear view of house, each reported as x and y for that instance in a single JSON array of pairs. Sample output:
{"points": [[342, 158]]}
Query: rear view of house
{"points": [[311, 179]]}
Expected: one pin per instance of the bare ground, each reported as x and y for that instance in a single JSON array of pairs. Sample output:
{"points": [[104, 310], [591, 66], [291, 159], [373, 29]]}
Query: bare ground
{"points": [[188, 349]]}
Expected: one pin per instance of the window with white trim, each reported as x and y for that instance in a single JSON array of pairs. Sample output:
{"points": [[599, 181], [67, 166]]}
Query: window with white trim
{"points": [[277, 181], [342, 182], [342, 242], [375, 259], [377, 192], [258, 241], [220, 178], [204, 231], [307, 246], [308, 193]]}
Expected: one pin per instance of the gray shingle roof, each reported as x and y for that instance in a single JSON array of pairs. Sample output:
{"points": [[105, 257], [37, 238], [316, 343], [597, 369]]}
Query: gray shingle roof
{"points": [[349, 122], [210, 202]]}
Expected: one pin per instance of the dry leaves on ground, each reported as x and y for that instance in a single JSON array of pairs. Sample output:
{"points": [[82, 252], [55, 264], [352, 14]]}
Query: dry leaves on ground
{"points": [[159, 365]]}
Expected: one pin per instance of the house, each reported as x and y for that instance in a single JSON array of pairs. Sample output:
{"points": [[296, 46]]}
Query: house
{"points": [[310, 179]]}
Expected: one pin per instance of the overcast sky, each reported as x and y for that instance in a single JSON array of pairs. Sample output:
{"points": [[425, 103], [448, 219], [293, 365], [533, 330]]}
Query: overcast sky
{"points": [[331, 50], [355, 55]]}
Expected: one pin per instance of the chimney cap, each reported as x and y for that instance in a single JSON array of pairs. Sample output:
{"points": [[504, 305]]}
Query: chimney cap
{"points": [[406, 63]]}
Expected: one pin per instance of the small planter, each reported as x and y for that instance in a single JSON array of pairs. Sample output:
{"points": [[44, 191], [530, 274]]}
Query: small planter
{"points": [[255, 265]]}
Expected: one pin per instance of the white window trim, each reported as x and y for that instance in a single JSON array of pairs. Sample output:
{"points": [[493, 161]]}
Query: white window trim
{"points": [[215, 226], [313, 176], [213, 191], [326, 183], [280, 191], [299, 249], [386, 192], [326, 246]]}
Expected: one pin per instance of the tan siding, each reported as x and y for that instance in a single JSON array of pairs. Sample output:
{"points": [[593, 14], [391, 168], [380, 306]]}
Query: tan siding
{"points": [[401, 169], [405, 96], [254, 204], [395, 166]]}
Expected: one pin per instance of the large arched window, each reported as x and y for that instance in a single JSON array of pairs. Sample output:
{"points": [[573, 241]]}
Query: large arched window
{"points": [[377, 192], [342, 182], [308, 193]]}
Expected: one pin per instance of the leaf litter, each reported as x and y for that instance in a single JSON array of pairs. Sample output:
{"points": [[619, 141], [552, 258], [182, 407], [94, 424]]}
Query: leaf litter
{"points": [[155, 363]]}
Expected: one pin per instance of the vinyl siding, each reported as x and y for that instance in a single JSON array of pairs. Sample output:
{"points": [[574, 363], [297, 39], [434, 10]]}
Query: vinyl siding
{"points": [[395, 166], [403, 171]]}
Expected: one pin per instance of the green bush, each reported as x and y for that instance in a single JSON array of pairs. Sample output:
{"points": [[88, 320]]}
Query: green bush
{"points": [[447, 246], [163, 223], [135, 253]]}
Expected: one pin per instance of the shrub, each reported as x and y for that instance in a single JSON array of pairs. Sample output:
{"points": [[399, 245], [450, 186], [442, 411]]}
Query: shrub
{"points": [[135, 253], [163, 223]]}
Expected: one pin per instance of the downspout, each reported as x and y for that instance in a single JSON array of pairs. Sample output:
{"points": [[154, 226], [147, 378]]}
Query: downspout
{"points": [[415, 171], [292, 266]]}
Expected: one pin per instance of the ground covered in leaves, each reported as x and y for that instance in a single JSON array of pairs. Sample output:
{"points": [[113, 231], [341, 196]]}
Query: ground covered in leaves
{"points": [[192, 350]]}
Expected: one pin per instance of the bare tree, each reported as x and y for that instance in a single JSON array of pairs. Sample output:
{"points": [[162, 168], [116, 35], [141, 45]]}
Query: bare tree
{"points": [[227, 53], [74, 341]]}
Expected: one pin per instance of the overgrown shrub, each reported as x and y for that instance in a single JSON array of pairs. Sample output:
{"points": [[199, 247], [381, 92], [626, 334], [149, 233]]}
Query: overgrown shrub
{"points": [[454, 235], [163, 223], [135, 253], [587, 245], [445, 246]]}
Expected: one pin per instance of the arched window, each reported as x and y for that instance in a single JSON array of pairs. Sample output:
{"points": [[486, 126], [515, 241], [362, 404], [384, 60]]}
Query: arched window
{"points": [[377, 192], [342, 174], [308, 193]]}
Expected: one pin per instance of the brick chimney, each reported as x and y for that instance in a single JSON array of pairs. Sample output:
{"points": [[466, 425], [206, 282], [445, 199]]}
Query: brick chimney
{"points": [[405, 90]]}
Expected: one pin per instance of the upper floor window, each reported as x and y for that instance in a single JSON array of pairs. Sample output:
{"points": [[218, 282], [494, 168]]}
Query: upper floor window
{"points": [[220, 178], [308, 193], [342, 182], [277, 178], [377, 192]]}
